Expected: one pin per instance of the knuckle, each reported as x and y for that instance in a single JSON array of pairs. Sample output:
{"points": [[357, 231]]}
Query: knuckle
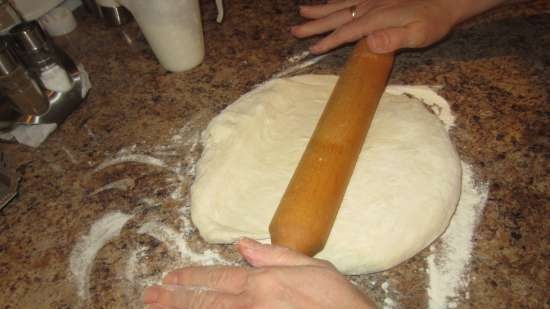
{"points": [[200, 300], [417, 35], [267, 280]]}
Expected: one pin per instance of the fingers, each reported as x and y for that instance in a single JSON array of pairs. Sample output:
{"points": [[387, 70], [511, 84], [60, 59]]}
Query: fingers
{"points": [[322, 25], [224, 279], [178, 297], [364, 26], [389, 25], [318, 11], [259, 255]]}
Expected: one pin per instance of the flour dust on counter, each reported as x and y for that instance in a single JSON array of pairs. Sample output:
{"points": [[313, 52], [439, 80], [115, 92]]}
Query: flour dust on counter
{"points": [[84, 252], [450, 256], [296, 64], [138, 266], [162, 236]]}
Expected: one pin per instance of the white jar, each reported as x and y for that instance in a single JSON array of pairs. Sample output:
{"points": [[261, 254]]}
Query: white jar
{"points": [[173, 29]]}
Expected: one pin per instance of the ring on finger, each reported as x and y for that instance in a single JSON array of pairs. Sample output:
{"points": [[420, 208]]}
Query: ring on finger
{"points": [[353, 11]]}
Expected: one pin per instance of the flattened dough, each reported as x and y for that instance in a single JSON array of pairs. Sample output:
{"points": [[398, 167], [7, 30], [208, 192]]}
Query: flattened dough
{"points": [[403, 192]]}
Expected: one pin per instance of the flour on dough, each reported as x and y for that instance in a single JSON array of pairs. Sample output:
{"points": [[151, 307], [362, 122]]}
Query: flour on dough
{"points": [[403, 192]]}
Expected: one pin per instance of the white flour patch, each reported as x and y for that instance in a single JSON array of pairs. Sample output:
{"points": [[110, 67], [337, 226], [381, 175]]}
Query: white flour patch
{"points": [[128, 158], [183, 146], [86, 249], [389, 303], [298, 57], [148, 202], [299, 66], [178, 156], [176, 241], [447, 265], [185, 215], [90, 132], [69, 155], [124, 184], [132, 266]]}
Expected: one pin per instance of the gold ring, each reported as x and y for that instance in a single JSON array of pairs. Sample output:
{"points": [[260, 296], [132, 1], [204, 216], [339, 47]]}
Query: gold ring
{"points": [[353, 11]]}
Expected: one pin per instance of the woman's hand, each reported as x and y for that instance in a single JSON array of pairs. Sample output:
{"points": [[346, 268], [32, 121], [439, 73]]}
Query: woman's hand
{"points": [[279, 279], [388, 24]]}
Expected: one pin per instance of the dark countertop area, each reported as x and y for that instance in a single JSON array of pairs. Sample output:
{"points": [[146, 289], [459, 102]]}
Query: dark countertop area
{"points": [[496, 76]]}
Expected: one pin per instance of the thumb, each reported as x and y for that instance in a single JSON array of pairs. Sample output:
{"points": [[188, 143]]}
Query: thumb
{"points": [[391, 39], [259, 255]]}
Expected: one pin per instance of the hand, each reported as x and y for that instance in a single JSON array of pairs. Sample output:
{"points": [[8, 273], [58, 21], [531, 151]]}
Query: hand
{"points": [[388, 24], [279, 279]]}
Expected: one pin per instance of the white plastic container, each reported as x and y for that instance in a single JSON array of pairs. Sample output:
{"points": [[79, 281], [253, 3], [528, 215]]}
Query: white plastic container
{"points": [[58, 21], [173, 29], [32, 9]]}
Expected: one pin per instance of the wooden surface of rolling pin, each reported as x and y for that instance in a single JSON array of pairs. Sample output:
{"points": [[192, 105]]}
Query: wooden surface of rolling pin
{"points": [[312, 199]]}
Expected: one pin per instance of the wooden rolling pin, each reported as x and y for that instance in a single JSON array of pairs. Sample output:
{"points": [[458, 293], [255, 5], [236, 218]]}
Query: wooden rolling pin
{"points": [[312, 199]]}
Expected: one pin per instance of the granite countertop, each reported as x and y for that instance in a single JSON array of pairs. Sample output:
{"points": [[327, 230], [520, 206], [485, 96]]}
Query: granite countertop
{"points": [[124, 160]]}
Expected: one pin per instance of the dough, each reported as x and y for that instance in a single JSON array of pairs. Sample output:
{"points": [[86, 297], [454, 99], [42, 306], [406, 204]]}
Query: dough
{"points": [[403, 192]]}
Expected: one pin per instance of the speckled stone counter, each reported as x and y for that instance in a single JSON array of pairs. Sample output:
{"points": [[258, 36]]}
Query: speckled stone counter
{"points": [[130, 148]]}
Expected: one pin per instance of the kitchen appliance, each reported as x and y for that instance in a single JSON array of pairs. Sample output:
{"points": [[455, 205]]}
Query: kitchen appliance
{"points": [[43, 84], [8, 16], [113, 12]]}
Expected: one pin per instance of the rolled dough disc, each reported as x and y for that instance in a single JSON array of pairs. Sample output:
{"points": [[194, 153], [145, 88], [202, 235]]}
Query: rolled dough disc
{"points": [[403, 192]]}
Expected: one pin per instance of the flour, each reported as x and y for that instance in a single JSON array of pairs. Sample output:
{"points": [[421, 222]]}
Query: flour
{"points": [[138, 158], [86, 249], [389, 303], [185, 215], [176, 242], [447, 266], [69, 155], [178, 157], [298, 57], [122, 184], [132, 265], [300, 65]]}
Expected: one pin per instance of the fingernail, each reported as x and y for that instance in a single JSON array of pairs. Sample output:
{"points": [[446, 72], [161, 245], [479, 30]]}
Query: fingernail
{"points": [[249, 246]]}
